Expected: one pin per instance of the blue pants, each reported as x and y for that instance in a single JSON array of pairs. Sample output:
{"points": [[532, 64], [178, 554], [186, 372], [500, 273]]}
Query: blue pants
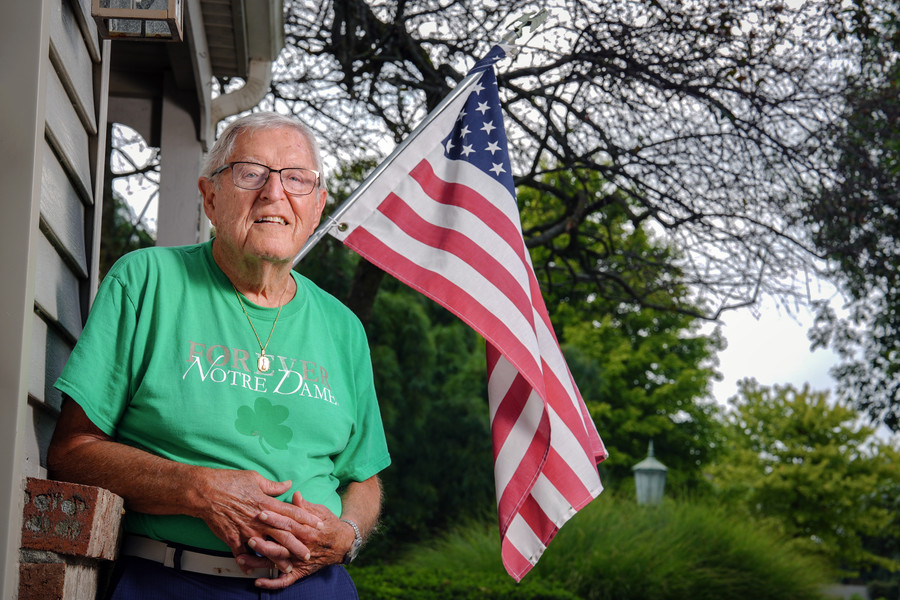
{"points": [[139, 579]]}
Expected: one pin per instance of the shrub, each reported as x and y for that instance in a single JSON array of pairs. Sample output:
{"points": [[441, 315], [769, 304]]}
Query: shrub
{"points": [[888, 590], [400, 583], [614, 550]]}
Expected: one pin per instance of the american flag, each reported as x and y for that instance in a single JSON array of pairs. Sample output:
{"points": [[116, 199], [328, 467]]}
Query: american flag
{"points": [[442, 218]]}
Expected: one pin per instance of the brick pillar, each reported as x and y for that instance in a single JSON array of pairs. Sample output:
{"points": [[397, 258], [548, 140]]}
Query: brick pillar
{"points": [[69, 532]]}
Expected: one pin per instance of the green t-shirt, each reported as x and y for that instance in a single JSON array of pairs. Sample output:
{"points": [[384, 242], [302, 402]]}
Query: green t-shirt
{"points": [[167, 363]]}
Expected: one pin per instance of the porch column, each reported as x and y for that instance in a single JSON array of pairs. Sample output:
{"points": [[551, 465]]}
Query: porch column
{"points": [[180, 219]]}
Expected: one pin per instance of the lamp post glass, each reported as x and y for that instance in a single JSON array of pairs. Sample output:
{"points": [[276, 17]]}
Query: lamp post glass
{"points": [[649, 479], [139, 19]]}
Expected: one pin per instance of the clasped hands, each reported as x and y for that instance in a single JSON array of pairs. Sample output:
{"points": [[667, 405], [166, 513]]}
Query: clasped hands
{"points": [[299, 537]]}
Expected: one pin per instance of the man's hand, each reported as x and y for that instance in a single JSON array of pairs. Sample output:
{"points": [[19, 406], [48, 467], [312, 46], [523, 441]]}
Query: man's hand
{"points": [[235, 500], [323, 546]]}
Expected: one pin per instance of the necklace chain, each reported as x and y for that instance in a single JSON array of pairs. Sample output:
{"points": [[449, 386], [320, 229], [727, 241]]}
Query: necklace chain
{"points": [[263, 362]]}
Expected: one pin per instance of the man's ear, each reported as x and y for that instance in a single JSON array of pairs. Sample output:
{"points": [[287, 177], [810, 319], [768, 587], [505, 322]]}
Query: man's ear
{"points": [[208, 192], [320, 204]]}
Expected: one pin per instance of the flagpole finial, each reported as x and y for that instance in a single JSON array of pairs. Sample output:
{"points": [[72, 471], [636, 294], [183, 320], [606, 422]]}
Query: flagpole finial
{"points": [[532, 21]]}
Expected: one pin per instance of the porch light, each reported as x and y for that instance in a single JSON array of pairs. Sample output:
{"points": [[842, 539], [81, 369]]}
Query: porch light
{"points": [[649, 479], [158, 20]]}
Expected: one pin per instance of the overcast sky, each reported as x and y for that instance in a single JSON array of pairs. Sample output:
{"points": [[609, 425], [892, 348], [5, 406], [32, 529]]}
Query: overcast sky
{"points": [[773, 349]]}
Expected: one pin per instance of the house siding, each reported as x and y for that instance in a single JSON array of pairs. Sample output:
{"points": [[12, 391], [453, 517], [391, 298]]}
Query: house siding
{"points": [[70, 198]]}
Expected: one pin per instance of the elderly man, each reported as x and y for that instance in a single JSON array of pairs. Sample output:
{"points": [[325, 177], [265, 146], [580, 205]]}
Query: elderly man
{"points": [[228, 399]]}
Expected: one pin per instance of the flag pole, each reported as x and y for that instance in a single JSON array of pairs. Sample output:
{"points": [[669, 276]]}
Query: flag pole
{"points": [[533, 21]]}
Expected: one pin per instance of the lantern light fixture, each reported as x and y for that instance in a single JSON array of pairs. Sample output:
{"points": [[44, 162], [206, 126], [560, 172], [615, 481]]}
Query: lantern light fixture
{"points": [[143, 20], [649, 479]]}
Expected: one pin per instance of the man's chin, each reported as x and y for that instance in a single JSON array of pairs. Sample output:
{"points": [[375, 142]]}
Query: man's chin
{"points": [[277, 255], [275, 258]]}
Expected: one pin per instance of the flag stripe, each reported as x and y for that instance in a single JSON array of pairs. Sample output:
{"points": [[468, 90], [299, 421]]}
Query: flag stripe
{"points": [[461, 246], [446, 185], [520, 548], [529, 447], [470, 199], [472, 298], [450, 184], [440, 185], [500, 375], [565, 480], [509, 453], [474, 215], [573, 420], [513, 402], [451, 294], [555, 505], [537, 520]]}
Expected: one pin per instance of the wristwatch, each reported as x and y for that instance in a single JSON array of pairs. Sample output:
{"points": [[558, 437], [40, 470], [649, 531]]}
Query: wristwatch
{"points": [[357, 542]]}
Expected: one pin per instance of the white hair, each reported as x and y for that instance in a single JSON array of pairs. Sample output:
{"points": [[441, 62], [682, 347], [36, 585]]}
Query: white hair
{"points": [[258, 121]]}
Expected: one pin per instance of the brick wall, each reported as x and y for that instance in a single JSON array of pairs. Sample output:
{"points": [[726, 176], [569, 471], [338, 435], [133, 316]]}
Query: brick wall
{"points": [[70, 533]]}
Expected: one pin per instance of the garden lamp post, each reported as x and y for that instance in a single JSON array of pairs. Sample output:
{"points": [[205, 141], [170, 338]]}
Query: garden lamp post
{"points": [[649, 479], [157, 20]]}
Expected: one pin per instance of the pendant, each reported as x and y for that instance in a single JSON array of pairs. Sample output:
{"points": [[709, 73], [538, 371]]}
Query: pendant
{"points": [[263, 363]]}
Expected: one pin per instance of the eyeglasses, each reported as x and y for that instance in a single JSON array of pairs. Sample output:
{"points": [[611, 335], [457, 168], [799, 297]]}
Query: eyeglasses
{"points": [[253, 176]]}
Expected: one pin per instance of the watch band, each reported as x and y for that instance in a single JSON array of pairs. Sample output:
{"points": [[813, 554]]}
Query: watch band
{"points": [[357, 542]]}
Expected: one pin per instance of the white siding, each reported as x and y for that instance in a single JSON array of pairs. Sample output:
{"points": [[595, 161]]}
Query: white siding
{"points": [[75, 130]]}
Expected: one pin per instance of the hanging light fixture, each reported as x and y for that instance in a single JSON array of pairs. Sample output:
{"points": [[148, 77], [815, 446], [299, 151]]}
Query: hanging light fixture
{"points": [[158, 20], [649, 478]]}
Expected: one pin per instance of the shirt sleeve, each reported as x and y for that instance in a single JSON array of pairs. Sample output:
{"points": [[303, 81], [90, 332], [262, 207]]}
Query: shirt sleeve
{"points": [[366, 452], [98, 374]]}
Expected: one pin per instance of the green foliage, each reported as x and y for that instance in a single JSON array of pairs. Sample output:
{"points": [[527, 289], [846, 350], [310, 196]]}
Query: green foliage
{"points": [[330, 265], [627, 265], [400, 583], [855, 217], [886, 590], [812, 468], [640, 365], [430, 376], [642, 376], [614, 549]]}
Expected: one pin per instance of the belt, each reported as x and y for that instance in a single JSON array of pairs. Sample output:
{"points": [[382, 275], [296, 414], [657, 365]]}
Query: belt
{"points": [[195, 561]]}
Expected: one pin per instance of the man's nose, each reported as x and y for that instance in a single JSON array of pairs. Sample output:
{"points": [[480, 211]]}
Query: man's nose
{"points": [[273, 188]]}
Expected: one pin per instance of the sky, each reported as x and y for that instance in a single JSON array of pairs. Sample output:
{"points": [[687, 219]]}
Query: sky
{"points": [[773, 349]]}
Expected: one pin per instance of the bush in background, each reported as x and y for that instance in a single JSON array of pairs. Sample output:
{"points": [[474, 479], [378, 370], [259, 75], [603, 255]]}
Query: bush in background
{"points": [[614, 550], [884, 590]]}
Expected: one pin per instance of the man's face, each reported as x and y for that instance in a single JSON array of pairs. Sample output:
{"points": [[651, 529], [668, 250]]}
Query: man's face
{"points": [[267, 223]]}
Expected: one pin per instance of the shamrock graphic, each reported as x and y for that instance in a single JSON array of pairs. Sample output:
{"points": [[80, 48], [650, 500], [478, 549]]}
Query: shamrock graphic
{"points": [[264, 421]]}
